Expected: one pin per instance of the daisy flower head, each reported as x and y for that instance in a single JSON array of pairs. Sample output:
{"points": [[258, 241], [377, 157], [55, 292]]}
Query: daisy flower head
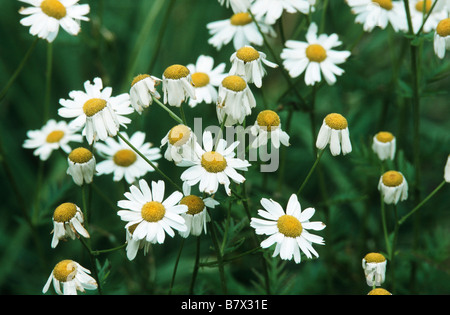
{"points": [[72, 277], [214, 166], [81, 166], [236, 5], [420, 9], [96, 111], [268, 126], [235, 100], [374, 266], [288, 229], [52, 136], [447, 170], [181, 144], [205, 79], [441, 41], [393, 187], [67, 223], [240, 28], [379, 13], [379, 291], [384, 145], [315, 57], [46, 16], [153, 215], [177, 85], [248, 63], [143, 88], [334, 131], [271, 10], [122, 161]]}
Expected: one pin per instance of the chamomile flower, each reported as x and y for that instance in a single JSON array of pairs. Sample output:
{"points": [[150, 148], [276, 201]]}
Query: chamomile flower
{"points": [[270, 11], [248, 63], [134, 245], [181, 144], [72, 277], [379, 291], [123, 161], [236, 5], [52, 136], [143, 88], [374, 266], [46, 16], [67, 223], [384, 145], [235, 100], [96, 111], [240, 28], [205, 79], [177, 85], [393, 187], [334, 131], [379, 13], [215, 166], [268, 126], [155, 216], [420, 9], [441, 41], [81, 166], [288, 229], [315, 57], [447, 170]]}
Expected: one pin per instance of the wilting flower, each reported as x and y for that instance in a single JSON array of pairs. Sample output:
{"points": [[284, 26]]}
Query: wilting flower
{"points": [[177, 85], [67, 223], [143, 88], [374, 266], [334, 131], [268, 126], [393, 187], [384, 145], [81, 166], [441, 41], [181, 144]]}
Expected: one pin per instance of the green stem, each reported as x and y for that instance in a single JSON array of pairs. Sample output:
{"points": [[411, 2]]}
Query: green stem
{"points": [[172, 114], [228, 260], [427, 16], [384, 224], [219, 257], [196, 266], [109, 250], [48, 82], [176, 265], [183, 116], [319, 155], [394, 243]]}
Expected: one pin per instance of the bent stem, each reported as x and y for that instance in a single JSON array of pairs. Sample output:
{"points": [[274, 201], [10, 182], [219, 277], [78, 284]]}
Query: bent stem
{"points": [[172, 114]]}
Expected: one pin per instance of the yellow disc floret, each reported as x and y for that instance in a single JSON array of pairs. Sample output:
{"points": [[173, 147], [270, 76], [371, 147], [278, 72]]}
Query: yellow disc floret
{"points": [[316, 53], [124, 157], [385, 4], [213, 162], [80, 155], [420, 5], [194, 203], [289, 225], [93, 106], [247, 54], [374, 258], [179, 135], [384, 136], [176, 72], [200, 79], [234, 83], [240, 19], [138, 78], [153, 211], [65, 212], [443, 28], [392, 178], [54, 9], [268, 119], [65, 270], [54, 136], [336, 121], [379, 291]]}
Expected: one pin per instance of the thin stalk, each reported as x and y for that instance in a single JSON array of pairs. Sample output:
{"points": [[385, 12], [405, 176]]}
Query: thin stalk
{"points": [[48, 82], [319, 155], [94, 265], [385, 230], [109, 250], [219, 258], [172, 114], [183, 116], [176, 265], [196, 266], [394, 243]]}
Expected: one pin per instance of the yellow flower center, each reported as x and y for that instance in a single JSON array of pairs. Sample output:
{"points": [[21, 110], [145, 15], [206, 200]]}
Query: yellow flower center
{"points": [[65, 212], [443, 28], [139, 78], [93, 106], [55, 136], [80, 155], [420, 6], [374, 258], [54, 9], [384, 136], [194, 203], [240, 19], [392, 178], [336, 121], [247, 54], [385, 4], [316, 53], [379, 291], [179, 135], [124, 157], [176, 72], [268, 119], [65, 270], [200, 79], [213, 162], [289, 225], [153, 211], [234, 83]]}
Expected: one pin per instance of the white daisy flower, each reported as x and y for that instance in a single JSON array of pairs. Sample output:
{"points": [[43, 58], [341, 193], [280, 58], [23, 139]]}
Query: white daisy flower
{"points": [[46, 16], [374, 266], [205, 79], [447, 170], [177, 85], [81, 166], [67, 223], [236, 5], [72, 277], [153, 215], [441, 41], [270, 11], [96, 110], [235, 100], [181, 144], [123, 161], [248, 62], [134, 245], [334, 131], [268, 126], [143, 88], [197, 216], [52, 136], [316, 56], [215, 166], [419, 10], [288, 230], [384, 145], [240, 29], [393, 187]]}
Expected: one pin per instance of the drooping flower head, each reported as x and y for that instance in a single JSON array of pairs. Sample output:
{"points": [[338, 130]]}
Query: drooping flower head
{"points": [[143, 88], [441, 41], [334, 131], [181, 144], [81, 166], [67, 223], [384, 145], [393, 187], [374, 266], [177, 85], [268, 126]]}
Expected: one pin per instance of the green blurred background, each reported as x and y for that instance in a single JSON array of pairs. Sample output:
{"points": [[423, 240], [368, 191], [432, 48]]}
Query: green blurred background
{"points": [[122, 39]]}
